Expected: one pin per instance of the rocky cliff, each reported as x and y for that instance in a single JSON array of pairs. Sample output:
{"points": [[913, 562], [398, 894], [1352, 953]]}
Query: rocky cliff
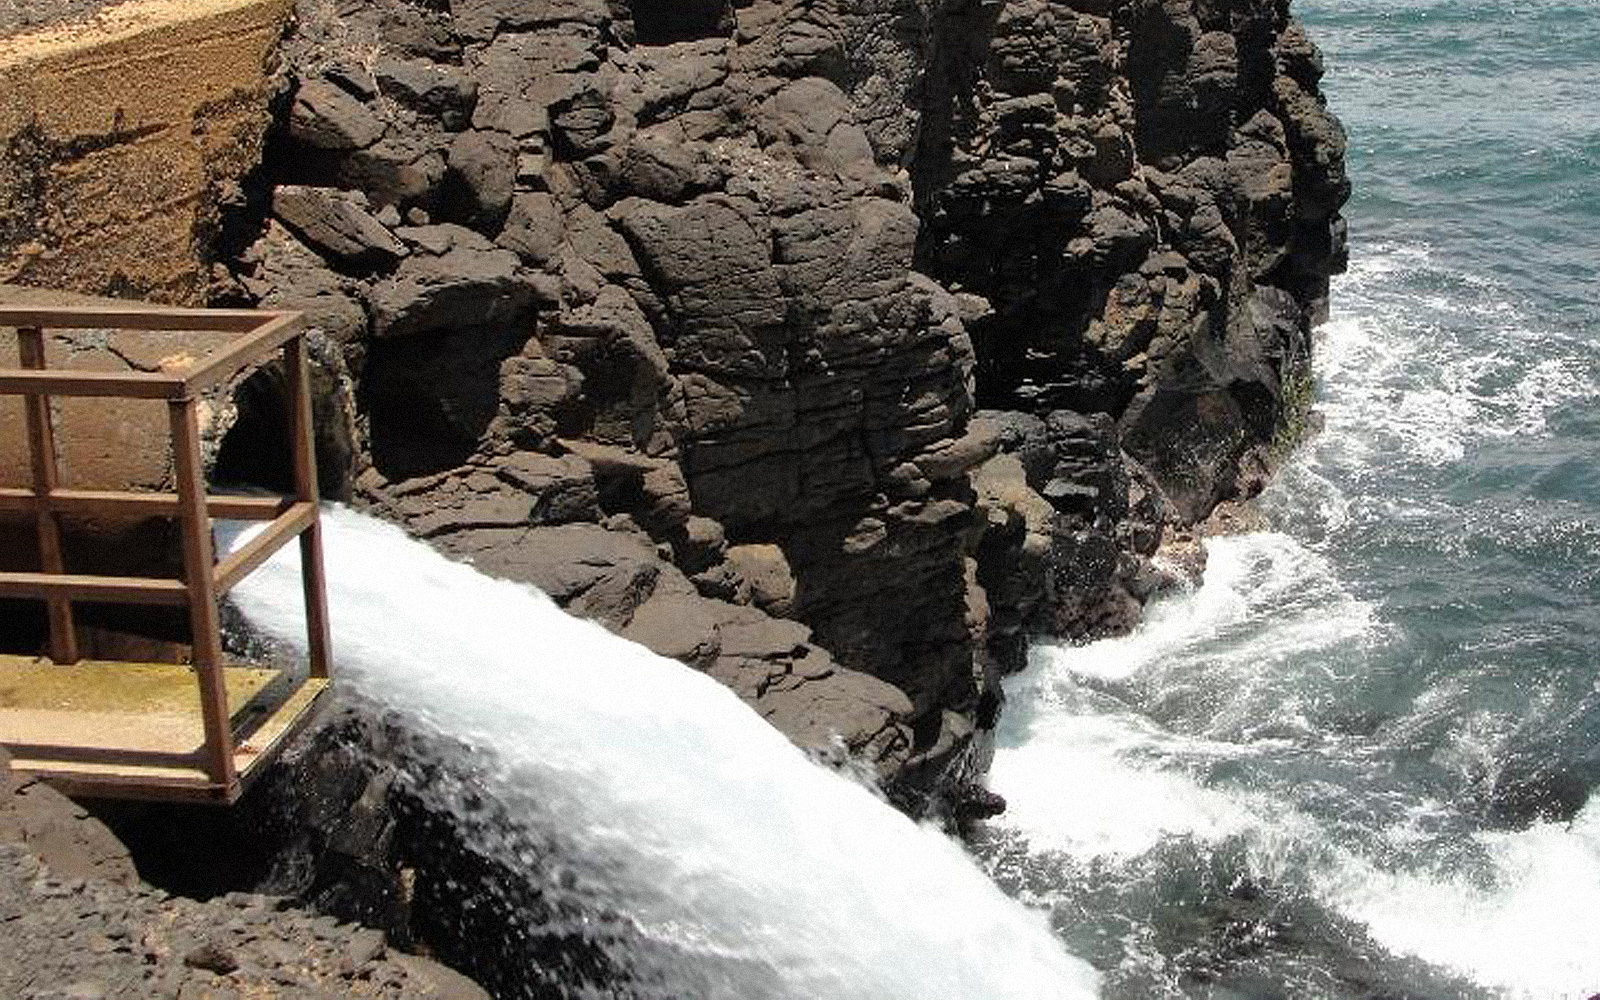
{"points": [[830, 346], [79, 923]]}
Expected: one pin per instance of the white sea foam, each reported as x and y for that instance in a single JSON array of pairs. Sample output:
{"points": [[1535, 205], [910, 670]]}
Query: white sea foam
{"points": [[1409, 373], [1526, 926], [767, 876], [1091, 785], [1085, 773]]}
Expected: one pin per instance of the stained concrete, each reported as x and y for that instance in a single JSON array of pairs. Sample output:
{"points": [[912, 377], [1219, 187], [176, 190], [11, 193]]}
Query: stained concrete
{"points": [[120, 132]]}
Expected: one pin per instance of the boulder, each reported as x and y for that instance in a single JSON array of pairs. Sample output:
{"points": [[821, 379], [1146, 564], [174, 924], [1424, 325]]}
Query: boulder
{"points": [[810, 120], [430, 88], [533, 228], [286, 274], [336, 223], [660, 165], [399, 170], [481, 20], [419, 32], [590, 571], [766, 570], [436, 980], [564, 488], [482, 178], [327, 117], [791, 682], [712, 260], [680, 624], [456, 280], [866, 715]]}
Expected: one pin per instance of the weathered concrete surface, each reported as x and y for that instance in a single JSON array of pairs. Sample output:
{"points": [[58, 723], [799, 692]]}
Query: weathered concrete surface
{"points": [[100, 443], [18, 16], [119, 136]]}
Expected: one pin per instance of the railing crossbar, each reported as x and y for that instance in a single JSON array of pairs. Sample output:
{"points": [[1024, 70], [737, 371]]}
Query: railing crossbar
{"points": [[105, 503]]}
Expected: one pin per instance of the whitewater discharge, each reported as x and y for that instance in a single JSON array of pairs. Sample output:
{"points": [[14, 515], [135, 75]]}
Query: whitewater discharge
{"points": [[1226, 717], [743, 869], [1406, 376]]}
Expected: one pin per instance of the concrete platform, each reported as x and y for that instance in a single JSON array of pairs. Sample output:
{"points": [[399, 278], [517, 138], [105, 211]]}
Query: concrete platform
{"points": [[135, 730]]}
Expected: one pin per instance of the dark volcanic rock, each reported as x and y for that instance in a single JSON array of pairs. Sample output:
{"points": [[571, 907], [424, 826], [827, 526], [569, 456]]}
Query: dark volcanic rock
{"points": [[60, 832], [483, 170], [429, 87], [754, 269], [618, 578], [79, 923], [534, 228], [1123, 244], [455, 279], [327, 117], [336, 224]]}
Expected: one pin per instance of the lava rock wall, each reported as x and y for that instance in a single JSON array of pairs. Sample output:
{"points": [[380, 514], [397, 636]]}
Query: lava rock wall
{"points": [[685, 313], [1147, 193]]}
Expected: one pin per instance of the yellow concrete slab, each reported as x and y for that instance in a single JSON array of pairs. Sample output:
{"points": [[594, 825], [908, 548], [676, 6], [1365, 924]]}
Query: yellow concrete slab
{"points": [[96, 771], [113, 706]]}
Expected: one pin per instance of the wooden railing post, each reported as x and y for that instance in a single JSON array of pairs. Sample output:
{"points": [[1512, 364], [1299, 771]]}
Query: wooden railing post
{"points": [[42, 446], [195, 526], [303, 448]]}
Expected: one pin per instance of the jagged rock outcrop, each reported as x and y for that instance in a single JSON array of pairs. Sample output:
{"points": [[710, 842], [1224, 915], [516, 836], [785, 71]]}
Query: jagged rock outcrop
{"points": [[78, 922], [684, 313], [1147, 194]]}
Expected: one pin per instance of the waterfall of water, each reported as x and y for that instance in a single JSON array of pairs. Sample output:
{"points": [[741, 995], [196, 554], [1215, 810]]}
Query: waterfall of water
{"points": [[741, 869]]}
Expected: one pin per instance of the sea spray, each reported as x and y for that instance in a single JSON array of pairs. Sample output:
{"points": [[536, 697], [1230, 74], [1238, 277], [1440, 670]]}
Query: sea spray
{"points": [[1344, 764], [742, 869]]}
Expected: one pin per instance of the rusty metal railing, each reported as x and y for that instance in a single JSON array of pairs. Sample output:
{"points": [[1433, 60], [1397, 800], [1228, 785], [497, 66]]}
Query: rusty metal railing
{"points": [[257, 335]]}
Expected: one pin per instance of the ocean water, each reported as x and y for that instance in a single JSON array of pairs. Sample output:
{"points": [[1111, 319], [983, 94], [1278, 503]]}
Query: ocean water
{"points": [[1360, 759]]}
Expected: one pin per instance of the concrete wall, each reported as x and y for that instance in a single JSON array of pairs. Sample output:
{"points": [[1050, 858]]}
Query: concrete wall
{"points": [[117, 134]]}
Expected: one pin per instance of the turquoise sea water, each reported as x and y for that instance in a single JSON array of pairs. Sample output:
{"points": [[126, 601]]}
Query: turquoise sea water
{"points": [[1361, 759]]}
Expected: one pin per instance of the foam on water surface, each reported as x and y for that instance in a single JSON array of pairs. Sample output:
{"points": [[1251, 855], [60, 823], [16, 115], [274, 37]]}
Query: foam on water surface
{"points": [[1523, 923], [1409, 372], [1092, 776], [1085, 762]]}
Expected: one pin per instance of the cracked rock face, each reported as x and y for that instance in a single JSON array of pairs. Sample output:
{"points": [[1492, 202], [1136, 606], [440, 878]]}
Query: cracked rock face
{"points": [[684, 312], [1147, 193]]}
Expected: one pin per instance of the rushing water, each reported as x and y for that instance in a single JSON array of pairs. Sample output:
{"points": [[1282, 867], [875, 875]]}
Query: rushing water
{"points": [[1359, 759], [645, 788]]}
